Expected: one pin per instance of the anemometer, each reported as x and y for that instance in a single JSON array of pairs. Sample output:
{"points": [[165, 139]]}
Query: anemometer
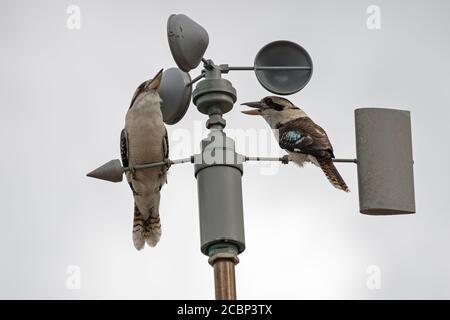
{"points": [[383, 142]]}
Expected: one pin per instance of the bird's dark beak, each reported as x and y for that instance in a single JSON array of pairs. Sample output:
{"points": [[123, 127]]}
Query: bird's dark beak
{"points": [[257, 105], [156, 81]]}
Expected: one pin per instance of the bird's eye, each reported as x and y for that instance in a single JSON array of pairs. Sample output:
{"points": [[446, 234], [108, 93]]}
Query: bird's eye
{"points": [[273, 105], [266, 101], [276, 106]]}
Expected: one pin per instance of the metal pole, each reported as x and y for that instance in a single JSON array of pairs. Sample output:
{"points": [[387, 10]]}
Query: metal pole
{"points": [[224, 259], [224, 279], [218, 170]]}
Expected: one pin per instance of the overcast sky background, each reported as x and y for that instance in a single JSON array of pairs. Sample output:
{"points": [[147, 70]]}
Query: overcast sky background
{"points": [[64, 94]]}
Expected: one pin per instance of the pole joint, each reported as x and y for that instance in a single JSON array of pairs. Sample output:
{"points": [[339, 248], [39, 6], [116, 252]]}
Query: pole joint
{"points": [[216, 252]]}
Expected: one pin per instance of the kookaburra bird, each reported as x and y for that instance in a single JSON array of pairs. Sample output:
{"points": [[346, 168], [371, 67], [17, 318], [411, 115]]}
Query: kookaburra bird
{"points": [[144, 140], [304, 140]]}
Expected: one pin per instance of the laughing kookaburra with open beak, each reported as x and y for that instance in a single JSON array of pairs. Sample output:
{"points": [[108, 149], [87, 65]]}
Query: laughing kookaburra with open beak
{"points": [[304, 140], [144, 140]]}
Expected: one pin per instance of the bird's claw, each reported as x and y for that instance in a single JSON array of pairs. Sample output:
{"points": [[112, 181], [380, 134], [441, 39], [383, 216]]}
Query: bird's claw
{"points": [[168, 163], [132, 171], [285, 159]]}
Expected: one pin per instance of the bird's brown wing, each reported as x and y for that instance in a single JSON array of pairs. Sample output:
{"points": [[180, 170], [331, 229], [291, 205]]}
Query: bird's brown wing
{"points": [[165, 168], [124, 154], [124, 147], [304, 136], [166, 145]]}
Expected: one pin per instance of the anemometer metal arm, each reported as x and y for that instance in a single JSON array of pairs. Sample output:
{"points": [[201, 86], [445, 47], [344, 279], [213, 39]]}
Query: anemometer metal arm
{"points": [[191, 159], [208, 67], [200, 77], [160, 163], [285, 160], [113, 170], [346, 160], [226, 68]]}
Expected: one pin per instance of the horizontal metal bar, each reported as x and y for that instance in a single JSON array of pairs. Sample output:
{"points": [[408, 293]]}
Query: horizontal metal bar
{"points": [[147, 165], [346, 160], [191, 160], [161, 163], [240, 68], [270, 68], [262, 159], [281, 159], [283, 68], [195, 80], [184, 160]]}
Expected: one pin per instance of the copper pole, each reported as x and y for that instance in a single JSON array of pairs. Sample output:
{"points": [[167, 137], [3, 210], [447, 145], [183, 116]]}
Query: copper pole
{"points": [[224, 279]]}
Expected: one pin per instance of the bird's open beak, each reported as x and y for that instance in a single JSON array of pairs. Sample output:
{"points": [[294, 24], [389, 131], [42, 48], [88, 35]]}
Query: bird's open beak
{"points": [[156, 81], [257, 105]]}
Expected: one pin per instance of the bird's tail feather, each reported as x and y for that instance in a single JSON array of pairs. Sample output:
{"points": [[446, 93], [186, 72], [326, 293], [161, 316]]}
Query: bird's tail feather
{"points": [[333, 174], [145, 230]]}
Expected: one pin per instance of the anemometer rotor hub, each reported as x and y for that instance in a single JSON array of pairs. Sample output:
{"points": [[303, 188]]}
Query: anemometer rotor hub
{"points": [[214, 96]]}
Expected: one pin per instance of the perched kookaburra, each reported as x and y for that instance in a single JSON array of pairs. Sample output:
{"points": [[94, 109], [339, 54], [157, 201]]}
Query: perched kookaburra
{"points": [[144, 140], [304, 140]]}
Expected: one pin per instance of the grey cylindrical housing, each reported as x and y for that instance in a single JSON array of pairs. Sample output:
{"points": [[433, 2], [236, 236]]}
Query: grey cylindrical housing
{"points": [[220, 206], [385, 163]]}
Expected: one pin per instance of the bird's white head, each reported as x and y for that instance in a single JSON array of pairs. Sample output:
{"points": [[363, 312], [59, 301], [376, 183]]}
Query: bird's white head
{"points": [[275, 110], [147, 94]]}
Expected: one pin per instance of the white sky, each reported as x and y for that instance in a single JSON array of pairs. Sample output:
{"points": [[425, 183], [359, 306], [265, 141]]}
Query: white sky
{"points": [[64, 95]]}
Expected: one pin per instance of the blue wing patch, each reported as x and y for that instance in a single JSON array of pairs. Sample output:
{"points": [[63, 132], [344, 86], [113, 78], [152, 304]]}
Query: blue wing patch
{"points": [[293, 136]]}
